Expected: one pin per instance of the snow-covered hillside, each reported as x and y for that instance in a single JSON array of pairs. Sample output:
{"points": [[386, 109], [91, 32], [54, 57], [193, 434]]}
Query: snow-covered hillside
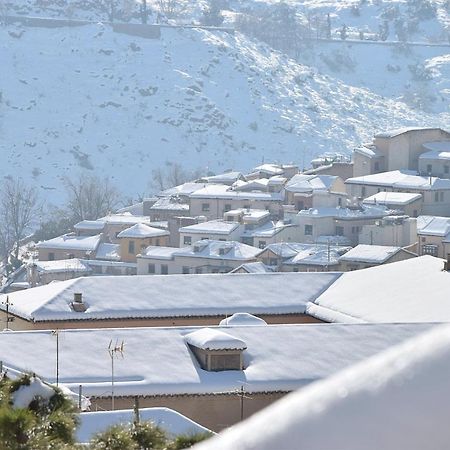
{"points": [[88, 100]]}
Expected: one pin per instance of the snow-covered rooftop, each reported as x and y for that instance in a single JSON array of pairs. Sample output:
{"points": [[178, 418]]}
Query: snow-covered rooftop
{"points": [[214, 339], [271, 169], [393, 400], [242, 319], [413, 290], [108, 252], [267, 229], [225, 178], [172, 422], [125, 218], [364, 212], [62, 265], [398, 131], [211, 227], [225, 192], [401, 179], [392, 198], [436, 150], [252, 267], [142, 231], [182, 189], [170, 204], [229, 250], [72, 242], [172, 296], [309, 183], [96, 225], [376, 254], [433, 225], [277, 358], [159, 252]]}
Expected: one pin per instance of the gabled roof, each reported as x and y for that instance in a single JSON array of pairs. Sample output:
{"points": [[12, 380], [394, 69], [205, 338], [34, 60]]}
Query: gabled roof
{"points": [[277, 358], [125, 218], [375, 254], [252, 267], [142, 231], [413, 290], [71, 242], [110, 297]]}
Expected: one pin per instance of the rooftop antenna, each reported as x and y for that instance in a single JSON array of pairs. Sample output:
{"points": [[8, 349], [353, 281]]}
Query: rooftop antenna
{"points": [[114, 351]]}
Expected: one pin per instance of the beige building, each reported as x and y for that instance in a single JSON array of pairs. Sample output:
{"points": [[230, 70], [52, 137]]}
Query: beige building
{"points": [[364, 256], [149, 301], [436, 159], [137, 238], [396, 231], [311, 191], [433, 235], [217, 376], [214, 200], [404, 202], [201, 257], [297, 257], [395, 150], [342, 222], [435, 192], [69, 246]]}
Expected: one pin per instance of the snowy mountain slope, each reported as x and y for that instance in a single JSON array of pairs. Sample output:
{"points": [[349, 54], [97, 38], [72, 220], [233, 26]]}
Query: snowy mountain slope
{"points": [[88, 99]]}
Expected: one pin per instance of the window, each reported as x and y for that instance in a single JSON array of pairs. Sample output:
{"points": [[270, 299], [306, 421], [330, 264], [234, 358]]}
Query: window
{"points": [[300, 205], [71, 256], [205, 207], [295, 269], [423, 239], [157, 242], [262, 244], [164, 269], [436, 196], [339, 231], [227, 207], [363, 191], [151, 268], [308, 230], [187, 240], [415, 213], [377, 166], [51, 256], [430, 249], [246, 206], [186, 269], [339, 201], [131, 247], [446, 169], [143, 247], [198, 270], [273, 261], [429, 168]]}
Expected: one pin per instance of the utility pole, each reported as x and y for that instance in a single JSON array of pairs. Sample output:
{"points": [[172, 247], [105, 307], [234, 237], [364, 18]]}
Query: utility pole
{"points": [[113, 351], [56, 334]]}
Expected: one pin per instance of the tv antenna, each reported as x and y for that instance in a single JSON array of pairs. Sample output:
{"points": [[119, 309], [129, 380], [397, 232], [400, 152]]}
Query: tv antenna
{"points": [[114, 352]]}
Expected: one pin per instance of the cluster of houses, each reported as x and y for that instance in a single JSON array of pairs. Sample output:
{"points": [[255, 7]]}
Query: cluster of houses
{"points": [[391, 202], [237, 289]]}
